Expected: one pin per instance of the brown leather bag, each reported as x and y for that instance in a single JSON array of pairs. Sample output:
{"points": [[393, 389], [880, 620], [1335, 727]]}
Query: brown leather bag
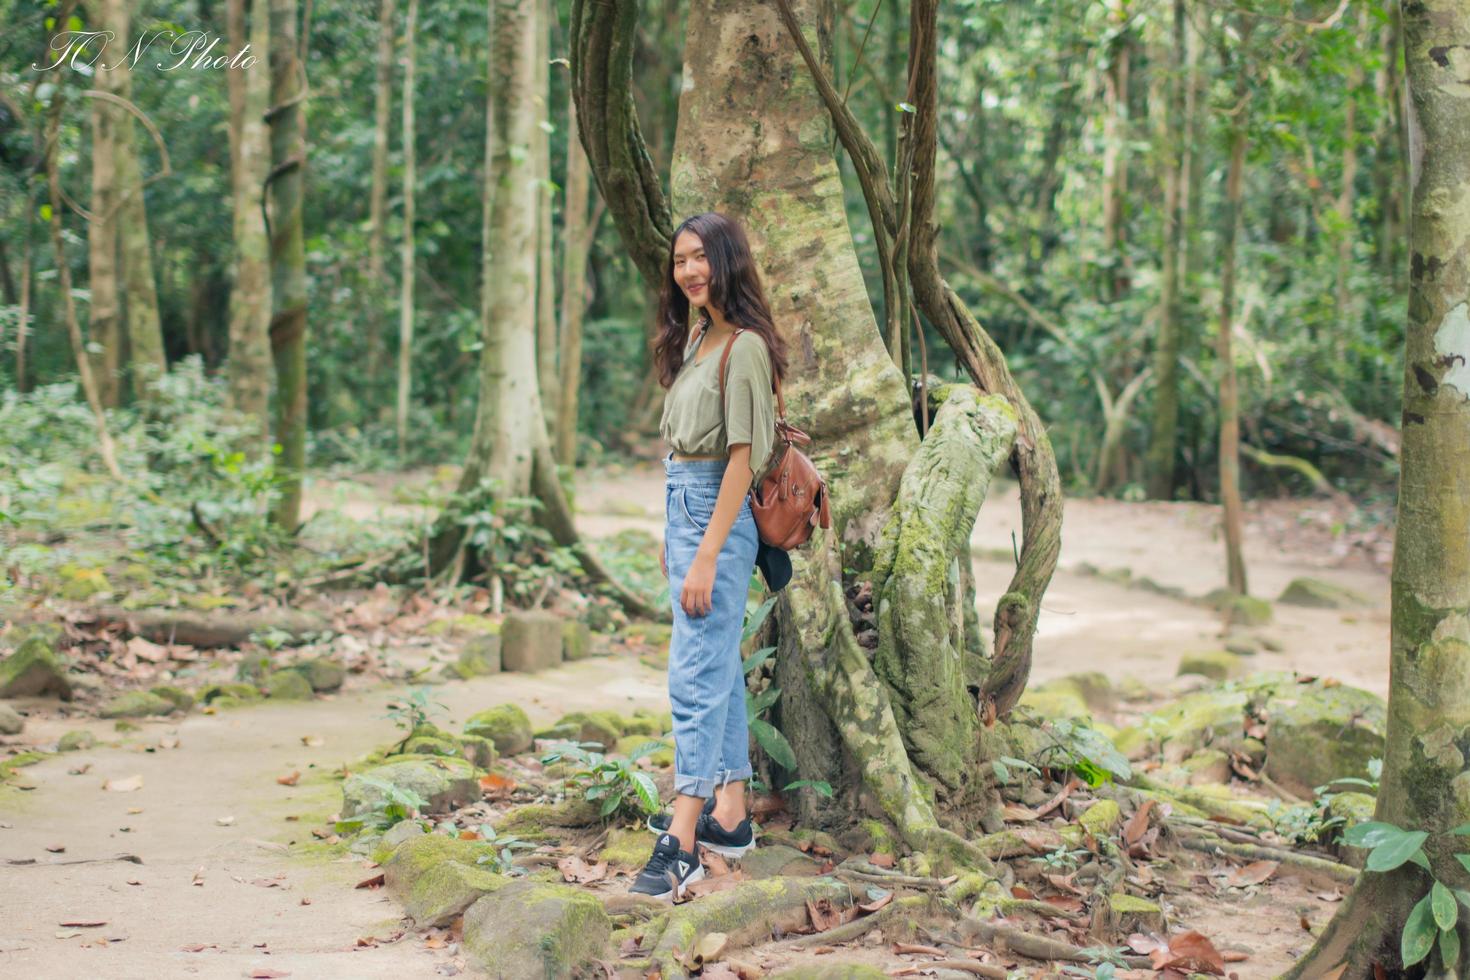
{"points": [[791, 498]]}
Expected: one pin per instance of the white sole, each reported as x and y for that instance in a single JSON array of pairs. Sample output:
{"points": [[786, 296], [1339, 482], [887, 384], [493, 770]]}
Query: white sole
{"points": [[729, 851]]}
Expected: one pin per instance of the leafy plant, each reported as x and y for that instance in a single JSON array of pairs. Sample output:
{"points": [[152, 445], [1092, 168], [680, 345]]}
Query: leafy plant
{"points": [[1310, 822], [1431, 922], [767, 735], [615, 781], [398, 803], [818, 786], [1002, 768], [1087, 752], [412, 711], [1062, 859], [500, 860]]}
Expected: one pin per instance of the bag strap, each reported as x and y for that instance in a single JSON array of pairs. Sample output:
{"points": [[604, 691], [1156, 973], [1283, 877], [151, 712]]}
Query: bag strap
{"points": [[775, 381]]}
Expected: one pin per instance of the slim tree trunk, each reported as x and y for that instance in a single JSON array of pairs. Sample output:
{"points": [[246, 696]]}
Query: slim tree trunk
{"points": [[1347, 231], [23, 322], [104, 321], [1165, 435], [378, 196], [578, 232], [1425, 773], [1229, 399], [1195, 151], [145, 332], [287, 119], [405, 300], [1115, 155], [546, 342], [249, 366]]}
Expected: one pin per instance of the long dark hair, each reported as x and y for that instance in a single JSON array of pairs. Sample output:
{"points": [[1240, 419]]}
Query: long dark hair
{"points": [[734, 289]]}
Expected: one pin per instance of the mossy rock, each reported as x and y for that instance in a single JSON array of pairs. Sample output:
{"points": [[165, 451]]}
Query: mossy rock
{"points": [[479, 657], [601, 727], [478, 750], [654, 634], [1317, 594], [1134, 914], [76, 740], [662, 758], [530, 641], [35, 669], [443, 892], [530, 929], [777, 861], [182, 699], [323, 673], [446, 782], [645, 722], [1240, 610], [287, 685], [428, 745], [1100, 818], [418, 854], [506, 725], [467, 624], [533, 817], [236, 694], [831, 971], [11, 721], [79, 583], [576, 639], [1353, 808], [1317, 734], [629, 849], [1212, 717], [136, 704], [1048, 702], [1216, 664], [1206, 766]]}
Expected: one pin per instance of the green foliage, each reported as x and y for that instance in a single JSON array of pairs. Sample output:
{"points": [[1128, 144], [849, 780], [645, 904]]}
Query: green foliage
{"points": [[501, 860], [398, 803], [413, 710], [1086, 751], [1307, 823], [1435, 915], [617, 783]]}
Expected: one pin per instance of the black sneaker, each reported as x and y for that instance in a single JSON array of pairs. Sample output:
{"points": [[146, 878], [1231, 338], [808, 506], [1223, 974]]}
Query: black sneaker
{"points": [[726, 843], [669, 871], [660, 822]]}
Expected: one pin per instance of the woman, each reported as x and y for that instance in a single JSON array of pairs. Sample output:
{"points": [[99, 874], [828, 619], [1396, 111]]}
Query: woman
{"points": [[710, 542]]}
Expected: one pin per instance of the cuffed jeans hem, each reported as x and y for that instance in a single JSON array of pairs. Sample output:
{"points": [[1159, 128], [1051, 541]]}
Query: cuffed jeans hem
{"points": [[695, 786]]}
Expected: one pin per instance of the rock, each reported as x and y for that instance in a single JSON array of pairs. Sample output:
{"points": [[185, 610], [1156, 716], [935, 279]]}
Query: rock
{"points": [[778, 860], [1317, 594], [1134, 914], [477, 750], [573, 811], [662, 758], [182, 700], [530, 641], [1353, 808], [1100, 818], [446, 782], [218, 628], [576, 640], [628, 849], [1317, 734], [1240, 610], [76, 740], [136, 704], [1212, 717], [1050, 702], [467, 624], [602, 727], [428, 745], [229, 695], [10, 720], [478, 657], [645, 722], [1207, 766], [1217, 664], [402, 831], [1243, 644], [322, 673], [531, 929], [506, 725], [34, 670], [287, 685]]}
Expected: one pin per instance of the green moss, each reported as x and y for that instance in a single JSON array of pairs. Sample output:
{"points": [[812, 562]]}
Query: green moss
{"points": [[534, 929], [136, 704], [1055, 703], [506, 725], [1124, 904], [1100, 818], [663, 758], [79, 582], [466, 623], [35, 668], [446, 889], [76, 740], [206, 603], [181, 699], [1240, 610], [1318, 734], [239, 693], [287, 685], [879, 839], [628, 848], [478, 750], [427, 745], [571, 812], [1216, 664], [601, 727], [1317, 594]]}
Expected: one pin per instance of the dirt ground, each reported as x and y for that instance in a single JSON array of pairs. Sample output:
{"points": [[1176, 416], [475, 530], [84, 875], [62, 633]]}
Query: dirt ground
{"points": [[216, 891]]}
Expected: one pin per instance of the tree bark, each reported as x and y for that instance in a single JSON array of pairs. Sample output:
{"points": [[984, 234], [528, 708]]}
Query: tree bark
{"points": [[1229, 398], [287, 121], [1116, 136], [1164, 439], [406, 273], [145, 332], [378, 195], [546, 341], [578, 232], [248, 369], [1426, 781], [104, 320]]}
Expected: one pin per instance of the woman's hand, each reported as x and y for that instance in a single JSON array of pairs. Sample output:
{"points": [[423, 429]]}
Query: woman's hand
{"points": [[699, 586]]}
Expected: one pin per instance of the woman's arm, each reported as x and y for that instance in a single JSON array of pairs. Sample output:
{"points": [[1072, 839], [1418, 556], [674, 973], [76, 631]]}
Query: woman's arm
{"points": [[699, 583]]}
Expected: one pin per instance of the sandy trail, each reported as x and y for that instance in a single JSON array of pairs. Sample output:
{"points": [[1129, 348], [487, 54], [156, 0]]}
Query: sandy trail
{"points": [[226, 765]]}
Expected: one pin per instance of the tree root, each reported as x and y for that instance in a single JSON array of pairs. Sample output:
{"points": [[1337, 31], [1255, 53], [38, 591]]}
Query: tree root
{"points": [[1236, 811], [1034, 946], [863, 871], [848, 931], [1207, 844]]}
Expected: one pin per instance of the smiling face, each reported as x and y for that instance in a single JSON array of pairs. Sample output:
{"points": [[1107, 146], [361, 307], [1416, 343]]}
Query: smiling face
{"points": [[691, 268]]}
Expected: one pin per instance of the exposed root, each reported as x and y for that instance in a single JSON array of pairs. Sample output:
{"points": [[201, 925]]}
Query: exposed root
{"points": [[1034, 946], [1239, 811], [861, 870], [1206, 843], [848, 931]]}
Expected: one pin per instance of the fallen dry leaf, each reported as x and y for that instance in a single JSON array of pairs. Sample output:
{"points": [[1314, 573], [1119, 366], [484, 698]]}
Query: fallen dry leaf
{"points": [[168, 742], [83, 924], [1252, 874], [79, 770], [123, 785], [877, 903], [56, 848], [714, 864], [497, 787], [199, 876], [262, 973], [147, 650], [706, 949], [880, 859], [1138, 823], [1012, 813], [376, 881], [135, 809], [289, 780], [1189, 952], [575, 869], [312, 741]]}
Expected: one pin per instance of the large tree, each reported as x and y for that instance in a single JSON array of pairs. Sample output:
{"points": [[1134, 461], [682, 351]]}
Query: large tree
{"points": [[885, 680], [1426, 778]]}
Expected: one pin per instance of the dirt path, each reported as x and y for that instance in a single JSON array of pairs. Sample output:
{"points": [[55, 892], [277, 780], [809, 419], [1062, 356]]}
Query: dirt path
{"points": [[225, 766]]}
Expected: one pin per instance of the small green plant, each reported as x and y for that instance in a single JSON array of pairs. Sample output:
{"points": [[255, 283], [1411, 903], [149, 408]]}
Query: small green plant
{"points": [[1002, 768], [1310, 822], [617, 783], [1087, 752], [412, 711], [818, 786], [397, 803], [1063, 859], [767, 735], [1431, 922], [501, 859]]}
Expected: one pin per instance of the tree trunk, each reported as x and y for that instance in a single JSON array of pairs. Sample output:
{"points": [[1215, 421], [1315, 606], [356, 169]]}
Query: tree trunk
{"points": [[104, 321], [248, 368], [145, 332], [287, 119], [378, 195], [546, 342], [578, 232], [1229, 398], [1425, 781], [1347, 230], [1165, 436], [1116, 136], [406, 274], [23, 321]]}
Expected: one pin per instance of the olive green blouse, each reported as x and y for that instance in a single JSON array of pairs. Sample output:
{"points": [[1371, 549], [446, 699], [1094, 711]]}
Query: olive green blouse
{"points": [[695, 424]]}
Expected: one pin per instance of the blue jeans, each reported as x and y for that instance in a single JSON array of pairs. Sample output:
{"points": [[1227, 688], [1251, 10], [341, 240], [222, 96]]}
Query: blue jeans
{"points": [[706, 684]]}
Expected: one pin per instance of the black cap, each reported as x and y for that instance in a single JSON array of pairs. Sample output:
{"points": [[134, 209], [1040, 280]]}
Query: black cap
{"points": [[775, 566]]}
